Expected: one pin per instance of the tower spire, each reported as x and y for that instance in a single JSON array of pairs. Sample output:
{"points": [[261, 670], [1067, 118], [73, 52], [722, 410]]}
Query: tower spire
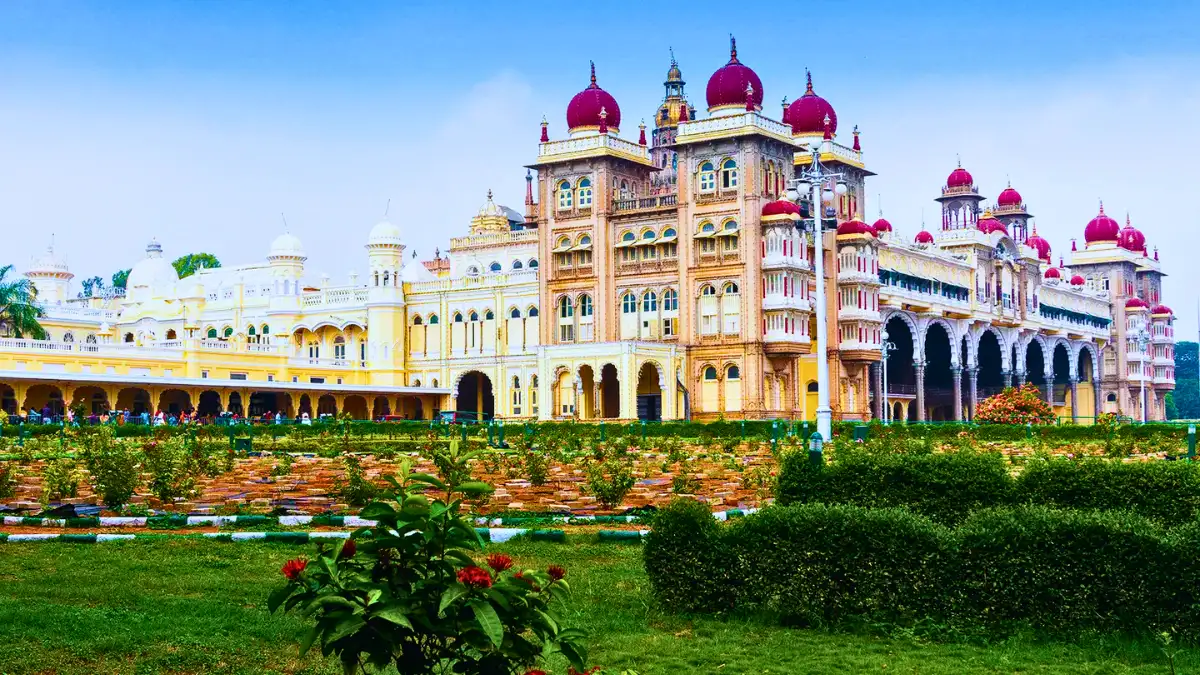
{"points": [[808, 76], [732, 49], [593, 85]]}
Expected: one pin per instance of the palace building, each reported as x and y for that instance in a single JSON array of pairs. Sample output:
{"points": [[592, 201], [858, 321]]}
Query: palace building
{"points": [[676, 281]]}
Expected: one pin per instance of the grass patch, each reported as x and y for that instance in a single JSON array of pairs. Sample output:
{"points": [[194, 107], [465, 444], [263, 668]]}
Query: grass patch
{"points": [[199, 606]]}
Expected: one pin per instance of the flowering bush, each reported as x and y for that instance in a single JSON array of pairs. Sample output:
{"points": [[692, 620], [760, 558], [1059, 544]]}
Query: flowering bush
{"points": [[1023, 405], [407, 593]]}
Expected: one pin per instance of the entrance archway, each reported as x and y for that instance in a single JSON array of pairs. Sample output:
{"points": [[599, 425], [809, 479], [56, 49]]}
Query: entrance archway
{"points": [[235, 404], [990, 377], [305, 406], [1086, 405], [8, 400], [266, 403], [1035, 366], [93, 399], [939, 381], [587, 384], [610, 392], [356, 407], [326, 405], [209, 404], [380, 408], [901, 368], [174, 402], [1062, 374], [475, 396], [133, 399], [43, 398], [649, 393]]}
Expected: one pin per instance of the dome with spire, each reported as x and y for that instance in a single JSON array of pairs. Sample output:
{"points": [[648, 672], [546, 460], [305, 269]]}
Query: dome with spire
{"points": [[854, 226], [1160, 310], [1039, 244], [153, 272], [48, 264], [1101, 228], [881, 225], [1009, 197], [727, 88], [1130, 238], [923, 238], [1135, 303], [385, 233], [988, 224], [1077, 280], [286, 245], [584, 110], [781, 207], [960, 178], [1052, 273], [807, 113]]}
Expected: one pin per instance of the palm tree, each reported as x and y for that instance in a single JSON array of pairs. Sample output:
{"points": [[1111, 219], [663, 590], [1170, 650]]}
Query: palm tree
{"points": [[19, 311]]}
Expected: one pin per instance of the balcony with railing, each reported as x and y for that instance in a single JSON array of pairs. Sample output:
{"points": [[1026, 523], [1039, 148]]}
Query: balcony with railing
{"points": [[641, 204], [747, 122], [343, 296], [587, 146]]}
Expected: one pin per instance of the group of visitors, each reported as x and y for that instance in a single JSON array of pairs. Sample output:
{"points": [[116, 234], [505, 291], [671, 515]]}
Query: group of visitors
{"points": [[159, 418]]}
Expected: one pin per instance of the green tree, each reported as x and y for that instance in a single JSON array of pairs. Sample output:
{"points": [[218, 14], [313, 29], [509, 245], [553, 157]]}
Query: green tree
{"points": [[1184, 402], [19, 311], [92, 287], [120, 278], [189, 264]]}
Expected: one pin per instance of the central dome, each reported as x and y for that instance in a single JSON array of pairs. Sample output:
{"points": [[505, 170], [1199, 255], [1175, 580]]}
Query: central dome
{"points": [[384, 233], [153, 272], [1009, 197], [727, 86], [960, 177], [583, 112], [286, 245], [1131, 238], [807, 113], [1101, 228]]}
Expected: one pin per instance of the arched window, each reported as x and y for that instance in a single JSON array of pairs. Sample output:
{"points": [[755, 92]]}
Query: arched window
{"points": [[566, 308], [733, 373], [729, 232], [670, 300], [706, 236], [585, 193], [339, 347], [68, 337], [417, 321], [650, 302], [668, 233], [585, 305], [433, 319], [472, 271], [629, 238], [628, 252], [416, 383], [228, 331], [565, 198], [533, 311], [628, 304], [730, 288], [729, 175], [585, 240], [649, 251], [710, 373], [517, 265], [707, 290], [90, 339], [129, 337], [495, 267], [488, 315], [251, 331], [812, 388], [458, 317], [533, 263], [708, 177], [515, 313], [266, 330], [435, 384], [212, 333], [474, 316]]}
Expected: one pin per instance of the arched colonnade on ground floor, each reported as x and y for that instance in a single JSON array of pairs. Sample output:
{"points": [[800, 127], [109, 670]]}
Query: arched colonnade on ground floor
{"points": [[54, 398], [939, 369]]}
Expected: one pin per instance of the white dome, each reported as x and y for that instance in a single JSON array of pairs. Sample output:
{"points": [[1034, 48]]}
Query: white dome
{"points": [[384, 232], [48, 263], [490, 208], [153, 272], [286, 245]]}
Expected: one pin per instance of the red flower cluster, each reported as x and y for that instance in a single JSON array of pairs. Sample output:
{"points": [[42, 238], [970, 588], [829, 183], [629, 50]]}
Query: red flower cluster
{"points": [[499, 561], [349, 549], [475, 577], [556, 572], [293, 568], [536, 672], [1024, 405]]}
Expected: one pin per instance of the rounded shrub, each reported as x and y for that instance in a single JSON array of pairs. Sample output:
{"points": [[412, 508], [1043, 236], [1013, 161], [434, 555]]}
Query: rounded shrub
{"points": [[687, 561]]}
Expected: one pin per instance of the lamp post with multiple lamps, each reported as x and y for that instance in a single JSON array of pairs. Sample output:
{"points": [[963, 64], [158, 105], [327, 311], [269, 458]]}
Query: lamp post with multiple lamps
{"points": [[819, 186], [1142, 337], [885, 348]]}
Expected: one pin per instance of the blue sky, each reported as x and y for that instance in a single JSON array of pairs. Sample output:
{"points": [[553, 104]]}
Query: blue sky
{"points": [[200, 122]]}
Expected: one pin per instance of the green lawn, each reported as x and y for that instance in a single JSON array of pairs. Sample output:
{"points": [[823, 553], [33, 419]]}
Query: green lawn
{"points": [[196, 607]]}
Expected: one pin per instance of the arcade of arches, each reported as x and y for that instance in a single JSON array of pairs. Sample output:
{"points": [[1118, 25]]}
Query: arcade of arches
{"points": [[936, 375]]}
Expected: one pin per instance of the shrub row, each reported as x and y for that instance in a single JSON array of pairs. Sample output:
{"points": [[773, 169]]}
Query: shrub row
{"points": [[1002, 571], [948, 487]]}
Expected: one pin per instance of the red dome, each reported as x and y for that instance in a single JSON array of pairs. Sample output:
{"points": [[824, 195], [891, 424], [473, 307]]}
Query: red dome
{"points": [[1101, 228], [960, 177], [807, 113], [583, 112], [1077, 280], [1135, 303], [987, 224], [1040, 245], [1009, 197], [923, 237], [1161, 309], [1053, 273], [1130, 238], [727, 86], [780, 207], [881, 225], [855, 226]]}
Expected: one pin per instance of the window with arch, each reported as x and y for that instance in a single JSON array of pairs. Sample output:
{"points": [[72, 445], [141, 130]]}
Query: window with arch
{"points": [[517, 265], [733, 373], [473, 316], [729, 174], [628, 252], [585, 305], [624, 190], [228, 332], [668, 240], [813, 387], [266, 330], [533, 394], [731, 311], [585, 193], [710, 373], [433, 319], [488, 315], [129, 337], [339, 348], [472, 271], [458, 317], [628, 304], [90, 339], [514, 314], [708, 310], [706, 236], [565, 196], [495, 267], [516, 395], [211, 334], [416, 383], [584, 250], [729, 233], [650, 302], [251, 331], [566, 308], [708, 177], [566, 319], [648, 247], [533, 311], [533, 263], [670, 305], [68, 337], [417, 321], [435, 382]]}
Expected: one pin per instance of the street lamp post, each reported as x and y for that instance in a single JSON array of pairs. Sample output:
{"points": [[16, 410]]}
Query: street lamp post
{"points": [[1142, 337], [885, 348], [819, 186]]}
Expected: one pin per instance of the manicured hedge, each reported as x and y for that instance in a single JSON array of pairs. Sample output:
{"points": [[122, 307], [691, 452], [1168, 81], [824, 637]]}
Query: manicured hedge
{"points": [[1003, 571], [948, 487]]}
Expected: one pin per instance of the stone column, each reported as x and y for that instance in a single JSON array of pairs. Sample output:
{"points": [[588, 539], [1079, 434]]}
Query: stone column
{"points": [[1074, 399], [956, 382], [973, 388], [1007, 378], [1096, 398], [1020, 378], [1050, 389], [224, 394], [595, 411], [920, 392]]}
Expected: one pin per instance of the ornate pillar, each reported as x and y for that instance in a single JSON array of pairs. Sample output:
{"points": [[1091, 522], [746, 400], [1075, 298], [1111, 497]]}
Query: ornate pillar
{"points": [[920, 392], [339, 400], [1050, 389], [1096, 398], [1074, 399], [595, 411], [1007, 377], [224, 394], [1020, 378], [956, 383], [973, 388]]}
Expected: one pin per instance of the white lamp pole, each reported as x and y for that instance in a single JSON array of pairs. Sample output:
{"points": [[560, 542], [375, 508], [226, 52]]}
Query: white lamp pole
{"points": [[815, 181], [1143, 339]]}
